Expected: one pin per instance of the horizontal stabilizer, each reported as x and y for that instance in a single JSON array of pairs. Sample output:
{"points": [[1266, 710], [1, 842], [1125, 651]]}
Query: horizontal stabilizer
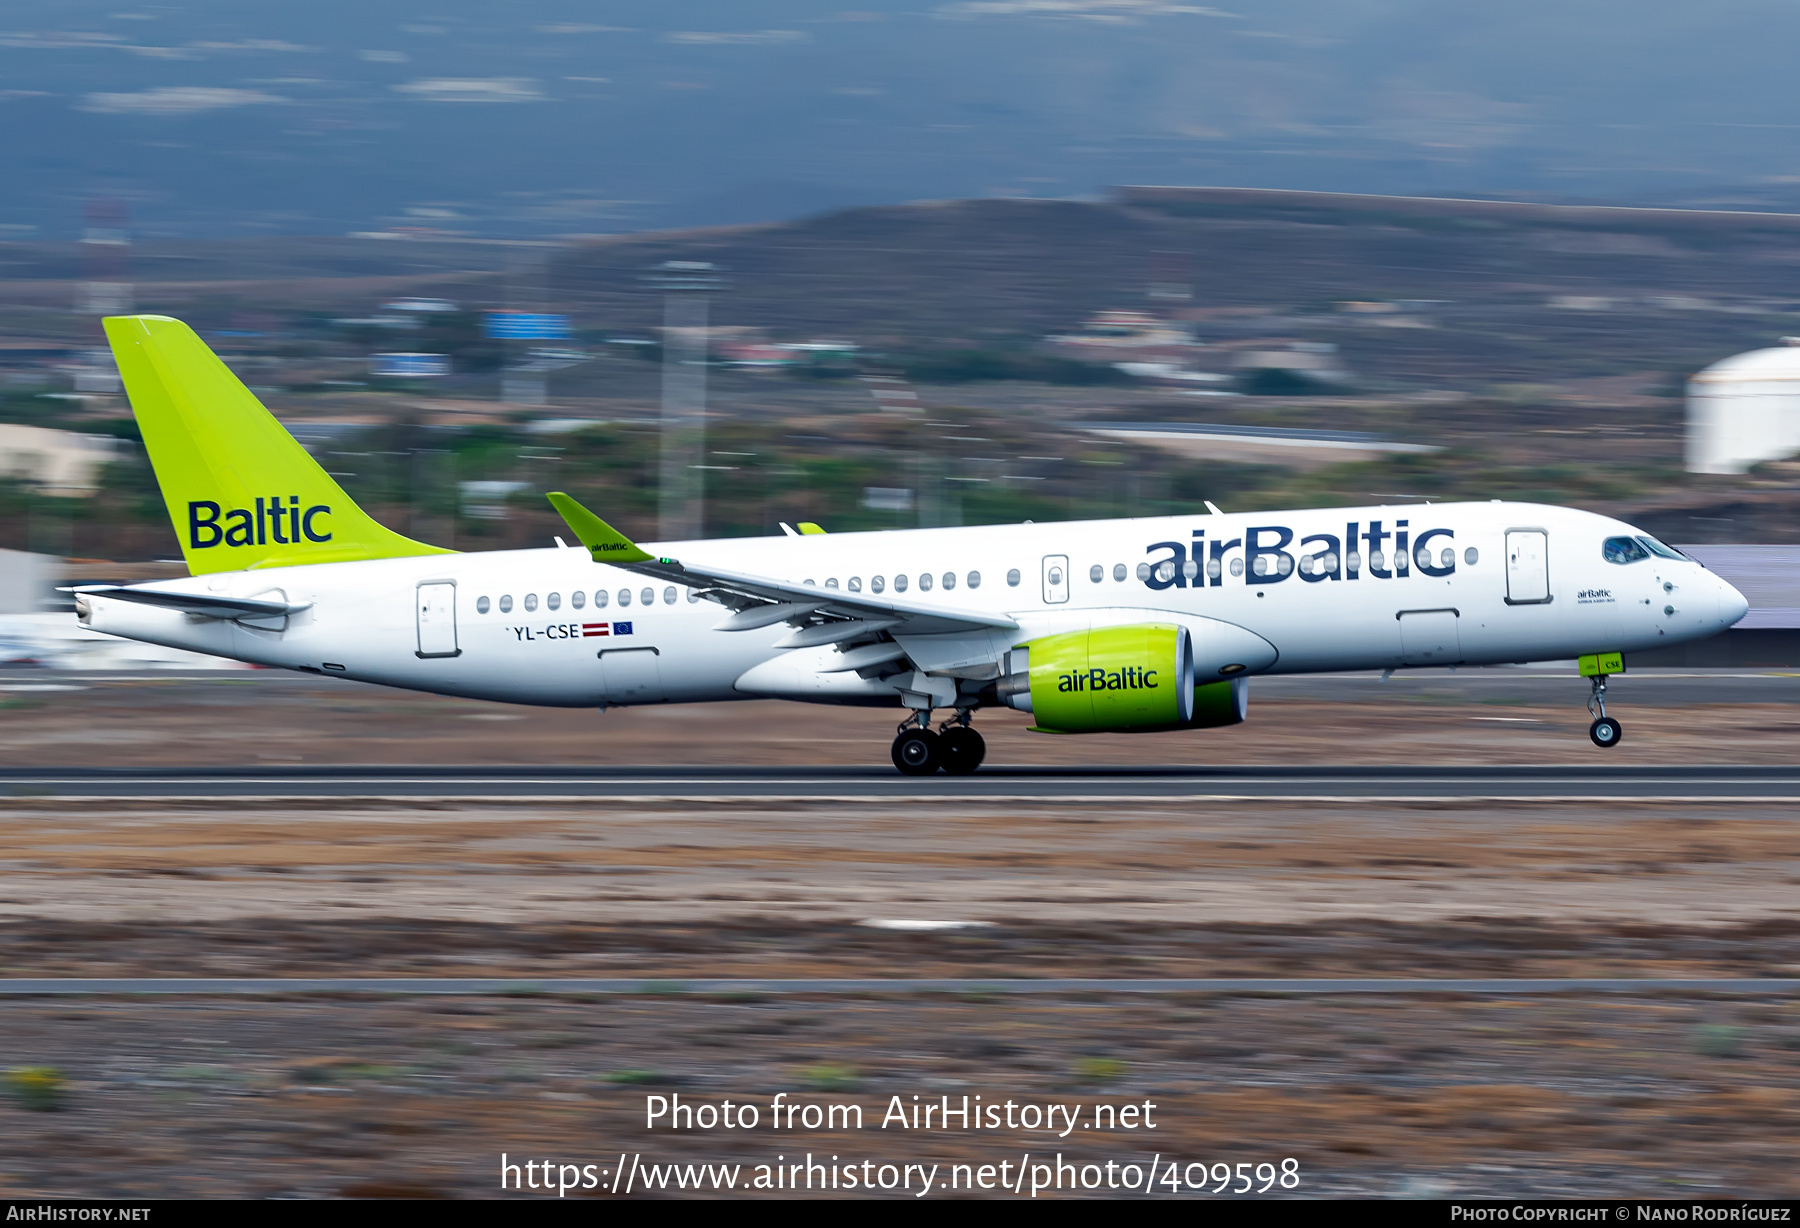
{"points": [[201, 605]]}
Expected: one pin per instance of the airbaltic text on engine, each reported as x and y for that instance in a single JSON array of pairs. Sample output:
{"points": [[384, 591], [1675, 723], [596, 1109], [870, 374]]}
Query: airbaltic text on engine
{"points": [[1130, 678]]}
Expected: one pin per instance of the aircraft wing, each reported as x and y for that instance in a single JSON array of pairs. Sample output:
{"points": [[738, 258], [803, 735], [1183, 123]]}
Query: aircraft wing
{"points": [[200, 605], [819, 615]]}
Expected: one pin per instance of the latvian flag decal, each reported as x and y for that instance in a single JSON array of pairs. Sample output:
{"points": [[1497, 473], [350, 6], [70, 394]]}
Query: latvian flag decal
{"points": [[591, 629]]}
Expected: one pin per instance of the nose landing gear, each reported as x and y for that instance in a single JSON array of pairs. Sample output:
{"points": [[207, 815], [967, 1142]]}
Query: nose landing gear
{"points": [[955, 747], [1605, 731]]}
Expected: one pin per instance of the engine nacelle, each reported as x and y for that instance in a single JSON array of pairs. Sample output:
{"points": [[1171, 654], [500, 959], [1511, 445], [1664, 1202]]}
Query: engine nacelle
{"points": [[1118, 680]]}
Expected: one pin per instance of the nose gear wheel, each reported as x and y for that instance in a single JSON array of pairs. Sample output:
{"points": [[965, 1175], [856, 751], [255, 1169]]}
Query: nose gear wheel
{"points": [[1605, 732]]}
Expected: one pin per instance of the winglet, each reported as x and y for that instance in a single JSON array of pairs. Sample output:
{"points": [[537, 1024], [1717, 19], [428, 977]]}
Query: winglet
{"points": [[604, 542], [809, 529]]}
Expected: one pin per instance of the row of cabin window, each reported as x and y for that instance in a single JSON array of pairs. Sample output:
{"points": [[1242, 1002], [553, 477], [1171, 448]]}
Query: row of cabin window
{"points": [[553, 601], [879, 583], [1283, 565]]}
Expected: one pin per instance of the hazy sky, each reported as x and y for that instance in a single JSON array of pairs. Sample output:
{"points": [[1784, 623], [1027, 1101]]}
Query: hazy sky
{"points": [[226, 117]]}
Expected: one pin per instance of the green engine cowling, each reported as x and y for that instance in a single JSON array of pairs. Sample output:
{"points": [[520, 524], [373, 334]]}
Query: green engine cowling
{"points": [[1118, 680]]}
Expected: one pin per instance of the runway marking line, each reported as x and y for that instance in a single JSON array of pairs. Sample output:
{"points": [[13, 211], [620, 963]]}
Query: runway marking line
{"points": [[195, 986], [863, 798]]}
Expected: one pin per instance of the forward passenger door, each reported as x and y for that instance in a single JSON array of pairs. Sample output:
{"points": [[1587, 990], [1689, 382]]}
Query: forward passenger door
{"points": [[1527, 567]]}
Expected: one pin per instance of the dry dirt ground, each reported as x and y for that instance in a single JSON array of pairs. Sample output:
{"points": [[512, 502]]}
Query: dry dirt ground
{"points": [[1614, 1095], [273, 719]]}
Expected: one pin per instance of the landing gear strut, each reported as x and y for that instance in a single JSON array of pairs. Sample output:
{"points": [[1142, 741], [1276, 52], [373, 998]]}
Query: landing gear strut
{"points": [[1605, 731]]}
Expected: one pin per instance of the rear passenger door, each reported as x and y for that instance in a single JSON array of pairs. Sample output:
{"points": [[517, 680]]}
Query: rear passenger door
{"points": [[436, 606]]}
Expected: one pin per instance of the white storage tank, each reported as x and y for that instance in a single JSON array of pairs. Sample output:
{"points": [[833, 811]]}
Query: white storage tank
{"points": [[1745, 410]]}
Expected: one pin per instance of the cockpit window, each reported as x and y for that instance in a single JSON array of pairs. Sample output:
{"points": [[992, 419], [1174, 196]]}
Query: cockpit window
{"points": [[1656, 547], [1624, 550]]}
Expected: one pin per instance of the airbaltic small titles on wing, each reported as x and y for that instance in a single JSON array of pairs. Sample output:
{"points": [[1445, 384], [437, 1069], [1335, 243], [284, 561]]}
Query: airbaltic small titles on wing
{"points": [[1154, 625]]}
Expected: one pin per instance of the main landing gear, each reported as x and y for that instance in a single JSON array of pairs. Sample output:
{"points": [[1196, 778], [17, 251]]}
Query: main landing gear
{"points": [[1605, 731], [956, 748]]}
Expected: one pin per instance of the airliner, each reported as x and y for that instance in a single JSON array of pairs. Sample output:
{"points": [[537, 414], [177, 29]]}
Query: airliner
{"points": [[1100, 626]]}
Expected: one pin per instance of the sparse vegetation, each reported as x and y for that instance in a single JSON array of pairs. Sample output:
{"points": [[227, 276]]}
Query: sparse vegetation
{"points": [[41, 1089]]}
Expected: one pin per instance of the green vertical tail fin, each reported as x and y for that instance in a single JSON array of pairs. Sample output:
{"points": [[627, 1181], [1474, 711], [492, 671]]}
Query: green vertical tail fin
{"points": [[241, 491]]}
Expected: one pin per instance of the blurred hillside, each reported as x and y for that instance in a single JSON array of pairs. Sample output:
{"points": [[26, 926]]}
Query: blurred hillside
{"points": [[1543, 350]]}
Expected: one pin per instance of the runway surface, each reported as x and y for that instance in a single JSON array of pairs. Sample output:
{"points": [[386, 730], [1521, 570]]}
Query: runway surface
{"points": [[1765, 783], [200, 986]]}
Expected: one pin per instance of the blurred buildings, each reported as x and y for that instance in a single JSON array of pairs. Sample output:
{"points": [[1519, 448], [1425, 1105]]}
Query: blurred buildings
{"points": [[1745, 410], [54, 462]]}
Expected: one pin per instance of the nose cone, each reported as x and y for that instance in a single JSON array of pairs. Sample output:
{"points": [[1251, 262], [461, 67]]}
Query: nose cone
{"points": [[1732, 604]]}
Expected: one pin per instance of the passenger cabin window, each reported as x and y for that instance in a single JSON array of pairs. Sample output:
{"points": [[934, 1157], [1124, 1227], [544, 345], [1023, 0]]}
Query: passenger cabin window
{"points": [[481, 605], [577, 600], [831, 583], [974, 579], [1623, 550], [693, 596], [876, 584], [506, 604], [624, 596], [925, 582], [1143, 571], [949, 580], [900, 584], [1471, 556], [600, 599], [1012, 578], [648, 596], [669, 595], [1237, 567], [1096, 573], [553, 601], [530, 602], [1119, 572], [854, 584]]}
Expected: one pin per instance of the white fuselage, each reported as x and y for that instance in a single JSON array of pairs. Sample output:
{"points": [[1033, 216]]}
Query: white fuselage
{"points": [[511, 628]]}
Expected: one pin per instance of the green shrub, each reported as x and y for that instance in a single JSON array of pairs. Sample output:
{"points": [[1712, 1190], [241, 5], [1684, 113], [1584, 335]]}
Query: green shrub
{"points": [[39, 1088]]}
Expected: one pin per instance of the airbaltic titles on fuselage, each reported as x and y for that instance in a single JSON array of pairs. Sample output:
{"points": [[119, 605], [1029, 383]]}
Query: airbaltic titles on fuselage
{"points": [[1203, 561]]}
